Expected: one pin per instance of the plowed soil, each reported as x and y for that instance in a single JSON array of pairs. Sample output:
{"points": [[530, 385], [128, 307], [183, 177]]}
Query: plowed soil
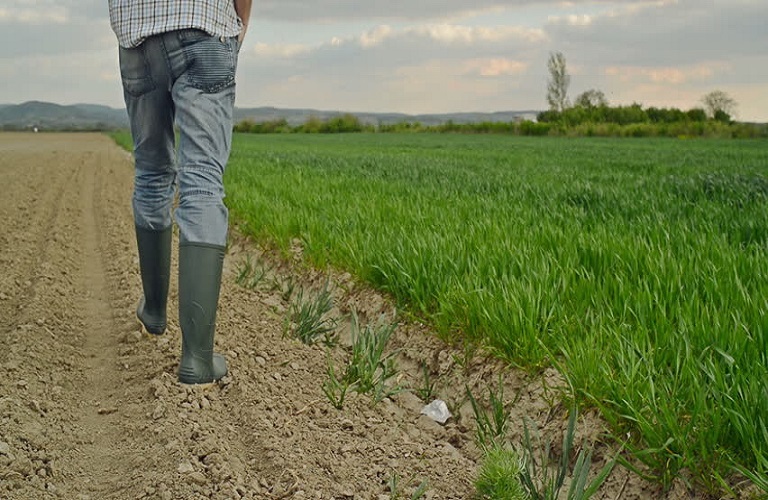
{"points": [[90, 409]]}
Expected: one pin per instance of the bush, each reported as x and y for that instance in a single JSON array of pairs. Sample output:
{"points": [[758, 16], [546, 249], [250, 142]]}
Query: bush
{"points": [[722, 117], [342, 124], [697, 115], [528, 127], [244, 126], [640, 130], [579, 121]]}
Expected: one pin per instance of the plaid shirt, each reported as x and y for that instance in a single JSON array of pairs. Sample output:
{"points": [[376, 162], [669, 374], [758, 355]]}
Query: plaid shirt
{"points": [[135, 20]]}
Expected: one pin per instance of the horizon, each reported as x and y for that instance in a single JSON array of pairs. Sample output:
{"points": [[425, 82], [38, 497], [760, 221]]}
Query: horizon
{"points": [[281, 108], [344, 111], [425, 58]]}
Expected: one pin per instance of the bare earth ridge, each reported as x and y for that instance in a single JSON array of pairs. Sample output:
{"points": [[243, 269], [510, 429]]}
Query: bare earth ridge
{"points": [[90, 409]]}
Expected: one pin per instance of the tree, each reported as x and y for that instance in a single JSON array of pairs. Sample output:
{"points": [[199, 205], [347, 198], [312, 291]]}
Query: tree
{"points": [[719, 105], [592, 98], [559, 81], [697, 115]]}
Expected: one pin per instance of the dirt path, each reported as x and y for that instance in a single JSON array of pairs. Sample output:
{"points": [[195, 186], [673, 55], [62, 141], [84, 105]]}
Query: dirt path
{"points": [[89, 409]]}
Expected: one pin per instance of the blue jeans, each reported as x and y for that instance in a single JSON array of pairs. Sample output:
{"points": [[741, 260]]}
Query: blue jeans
{"points": [[186, 78]]}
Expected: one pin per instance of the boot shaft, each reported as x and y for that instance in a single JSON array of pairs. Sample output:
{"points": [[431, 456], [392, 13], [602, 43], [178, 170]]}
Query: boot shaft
{"points": [[155, 266], [200, 268]]}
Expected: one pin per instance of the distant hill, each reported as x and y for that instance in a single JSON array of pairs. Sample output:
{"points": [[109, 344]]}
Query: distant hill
{"points": [[299, 116], [50, 116]]}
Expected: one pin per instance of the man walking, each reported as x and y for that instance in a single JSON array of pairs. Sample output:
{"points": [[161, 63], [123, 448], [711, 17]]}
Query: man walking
{"points": [[178, 60]]}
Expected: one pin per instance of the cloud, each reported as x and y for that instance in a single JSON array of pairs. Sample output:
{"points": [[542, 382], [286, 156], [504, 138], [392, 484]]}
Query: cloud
{"points": [[451, 34], [428, 86], [409, 43], [572, 20], [279, 50], [18, 40], [671, 32], [666, 74], [393, 10], [19, 14], [335, 10], [496, 67], [375, 36], [45, 12], [417, 68], [81, 77]]}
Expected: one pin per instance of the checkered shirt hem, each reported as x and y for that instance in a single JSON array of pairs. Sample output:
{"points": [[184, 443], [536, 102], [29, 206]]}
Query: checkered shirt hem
{"points": [[135, 20]]}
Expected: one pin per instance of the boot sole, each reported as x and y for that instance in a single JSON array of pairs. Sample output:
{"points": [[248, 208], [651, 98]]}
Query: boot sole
{"points": [[144, 328], [146, 332]]}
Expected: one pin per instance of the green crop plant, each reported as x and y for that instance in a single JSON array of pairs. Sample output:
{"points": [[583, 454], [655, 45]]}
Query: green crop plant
{"points": [[370, 369], [309, 317], [499, 476], [639, 264], [335, 388], [543, 478], [123, 139], [491, 424], [244, 269], [250, 275], [427, 389], [285, 285], [396, 490]]}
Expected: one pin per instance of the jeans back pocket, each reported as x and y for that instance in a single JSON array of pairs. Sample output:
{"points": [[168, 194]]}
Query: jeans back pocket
{"points": [[210, 60], [134, 71]]}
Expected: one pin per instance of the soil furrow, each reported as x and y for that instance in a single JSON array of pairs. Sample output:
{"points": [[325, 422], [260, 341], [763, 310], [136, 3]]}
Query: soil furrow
{"points": [[32, 240], [102, 461]]}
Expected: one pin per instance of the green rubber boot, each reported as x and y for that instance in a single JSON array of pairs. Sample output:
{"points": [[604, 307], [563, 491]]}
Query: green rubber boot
{"points": [[199, 283], [155, 264]]}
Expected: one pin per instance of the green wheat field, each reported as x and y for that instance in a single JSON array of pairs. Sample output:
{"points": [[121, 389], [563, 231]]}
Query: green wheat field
{"points": [[639, 268]]}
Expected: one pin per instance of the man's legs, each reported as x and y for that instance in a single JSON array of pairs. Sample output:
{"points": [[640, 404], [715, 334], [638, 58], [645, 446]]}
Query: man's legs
{"points": [[204, 94], [146, 86]]}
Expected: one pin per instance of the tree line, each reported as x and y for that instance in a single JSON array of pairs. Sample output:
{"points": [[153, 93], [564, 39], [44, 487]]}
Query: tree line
{"points": [[592, 106], [590, 114], [689, 125]]}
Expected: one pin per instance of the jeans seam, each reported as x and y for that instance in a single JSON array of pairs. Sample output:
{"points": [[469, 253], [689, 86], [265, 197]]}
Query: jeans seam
{"points": [[167, 58]]}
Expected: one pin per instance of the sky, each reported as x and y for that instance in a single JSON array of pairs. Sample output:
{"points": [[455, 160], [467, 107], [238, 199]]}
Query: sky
{"points": [[423, 56]]}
